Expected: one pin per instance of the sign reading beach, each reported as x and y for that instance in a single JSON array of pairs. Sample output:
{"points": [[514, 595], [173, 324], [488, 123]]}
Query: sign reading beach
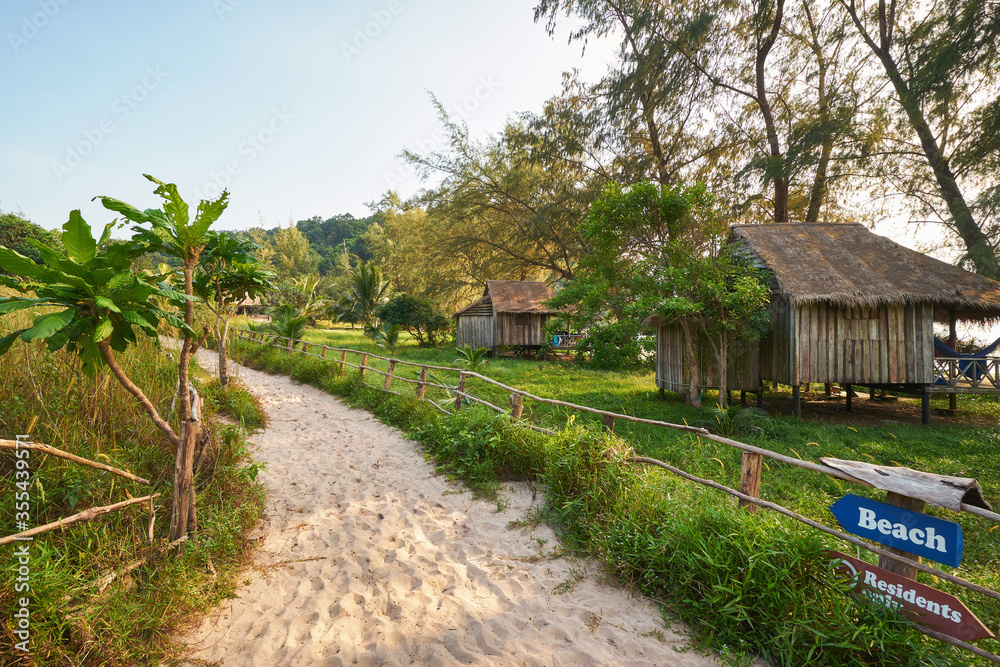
{"points": [[921, 604], [912, 532]]}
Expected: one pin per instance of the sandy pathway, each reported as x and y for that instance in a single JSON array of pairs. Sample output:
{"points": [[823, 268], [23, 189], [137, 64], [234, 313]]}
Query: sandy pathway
{"points": [[369, 558]]}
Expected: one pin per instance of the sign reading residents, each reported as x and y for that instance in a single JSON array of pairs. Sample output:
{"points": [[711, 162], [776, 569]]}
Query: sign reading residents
{"points": [[921, 604], [912, 532]]}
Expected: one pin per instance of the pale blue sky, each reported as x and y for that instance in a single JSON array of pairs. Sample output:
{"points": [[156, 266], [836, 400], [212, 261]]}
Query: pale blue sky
{"points": [[291, 103]]}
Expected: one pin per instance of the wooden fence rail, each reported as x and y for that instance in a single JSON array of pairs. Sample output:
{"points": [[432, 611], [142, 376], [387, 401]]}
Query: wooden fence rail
{"points": [[968, 374], [749, 495]]}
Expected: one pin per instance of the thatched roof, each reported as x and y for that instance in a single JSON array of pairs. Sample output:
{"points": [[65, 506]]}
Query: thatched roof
{"points": [[849, 266], [514, 296], [247, 302]]}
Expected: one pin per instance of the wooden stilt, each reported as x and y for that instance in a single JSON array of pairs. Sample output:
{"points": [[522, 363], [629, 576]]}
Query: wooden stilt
{"points": [[796, 401], [925, 405], [849, 388]]}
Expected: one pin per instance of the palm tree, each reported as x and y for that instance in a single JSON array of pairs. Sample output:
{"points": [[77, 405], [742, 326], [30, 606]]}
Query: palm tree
{"points": [[288, 323], [366, 290]]}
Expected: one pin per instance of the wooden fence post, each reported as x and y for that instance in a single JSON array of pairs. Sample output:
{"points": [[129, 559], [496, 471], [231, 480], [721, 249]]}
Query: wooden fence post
{"points": [[322, 353], [607, 423], [343, 359], [900, 568], [364, 362], [461, 390], [750, 479], [388, 376], [422, 385], [516, 405]]}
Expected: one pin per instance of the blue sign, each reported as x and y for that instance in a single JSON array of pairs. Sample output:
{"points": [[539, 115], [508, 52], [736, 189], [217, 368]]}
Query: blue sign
{"points": [[912, 532]]}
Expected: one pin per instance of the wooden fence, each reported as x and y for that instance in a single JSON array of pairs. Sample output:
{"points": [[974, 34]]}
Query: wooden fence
{"points": [[748, 494], [967, 375]]}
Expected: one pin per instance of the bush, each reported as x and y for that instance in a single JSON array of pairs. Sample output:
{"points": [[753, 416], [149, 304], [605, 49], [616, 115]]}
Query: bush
{"points": [[617, 346], [420, 317]]}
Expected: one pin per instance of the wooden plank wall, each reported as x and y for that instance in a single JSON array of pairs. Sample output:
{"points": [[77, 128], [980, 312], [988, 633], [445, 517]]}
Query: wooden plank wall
{"points": [[743, 362], [475, 330], [890, 344], [508, 333], [777, 351]]}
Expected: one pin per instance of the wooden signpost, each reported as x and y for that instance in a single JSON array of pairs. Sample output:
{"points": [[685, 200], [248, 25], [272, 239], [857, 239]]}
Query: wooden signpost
{"points": [[921, 604], [903, 528], [912, 532]]}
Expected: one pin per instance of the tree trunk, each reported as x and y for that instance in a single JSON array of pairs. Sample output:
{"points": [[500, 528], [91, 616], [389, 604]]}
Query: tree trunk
{"points": [[777, 167], [692, 395], [976, 242], [222, 341], [722, 354], [183, 510]]}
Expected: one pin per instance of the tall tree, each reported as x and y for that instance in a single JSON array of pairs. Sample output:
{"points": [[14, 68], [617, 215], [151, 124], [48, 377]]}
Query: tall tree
{"points": [[660, 251], [498, 213], [941, 60]]}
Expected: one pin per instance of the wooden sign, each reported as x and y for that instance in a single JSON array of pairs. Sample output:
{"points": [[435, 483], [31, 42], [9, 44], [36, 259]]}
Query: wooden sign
{"points": [[912, 532], [921, 604]]}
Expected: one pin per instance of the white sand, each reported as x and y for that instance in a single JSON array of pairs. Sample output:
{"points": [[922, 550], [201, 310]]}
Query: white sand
{"points": [[370, 558]]}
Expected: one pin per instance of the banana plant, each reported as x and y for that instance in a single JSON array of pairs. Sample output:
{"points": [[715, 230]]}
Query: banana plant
{"points": [[101, 306], [228, 273]]}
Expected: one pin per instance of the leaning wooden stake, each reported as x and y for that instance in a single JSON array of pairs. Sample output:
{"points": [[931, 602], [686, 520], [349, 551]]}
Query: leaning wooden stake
{"points": [[388, 375], [85, 515], [180, 517], [364, 362], [422, 385], [48, 449], [461, 390], [750, 479], [343, 360]]}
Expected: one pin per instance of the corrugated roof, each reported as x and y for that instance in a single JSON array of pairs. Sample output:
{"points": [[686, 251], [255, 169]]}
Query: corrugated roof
{"points": [[847, 265]]}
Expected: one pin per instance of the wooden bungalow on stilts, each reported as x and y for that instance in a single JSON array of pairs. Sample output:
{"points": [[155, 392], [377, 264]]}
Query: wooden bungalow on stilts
{"points": [[852, 308], [509, 314]]}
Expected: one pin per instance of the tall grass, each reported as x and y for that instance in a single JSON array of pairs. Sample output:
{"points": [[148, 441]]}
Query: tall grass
{"points": [[73, 620], [749, 584]]}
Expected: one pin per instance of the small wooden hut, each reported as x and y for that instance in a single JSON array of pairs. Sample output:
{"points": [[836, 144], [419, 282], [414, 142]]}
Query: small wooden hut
{"points": [[510, 313], [847, 307], [248, 306]]}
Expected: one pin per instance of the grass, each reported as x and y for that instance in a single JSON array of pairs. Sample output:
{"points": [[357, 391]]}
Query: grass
{"points": [[720, 569], [73, 621]]}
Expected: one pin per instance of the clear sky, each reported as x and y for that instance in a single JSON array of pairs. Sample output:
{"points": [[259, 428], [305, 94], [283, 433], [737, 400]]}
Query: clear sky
{"points": [[300, 108]]}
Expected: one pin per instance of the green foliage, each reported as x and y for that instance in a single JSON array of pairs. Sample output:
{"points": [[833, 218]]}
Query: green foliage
{"points": [[735, 420], [366, 291], [15, 232], [236, 401], [292, 256], [418, 316], [101, 299], [133, 620], [474, 360], [616, 346], [483, 449], [287, 324], [658, 250], [386, 336]]}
